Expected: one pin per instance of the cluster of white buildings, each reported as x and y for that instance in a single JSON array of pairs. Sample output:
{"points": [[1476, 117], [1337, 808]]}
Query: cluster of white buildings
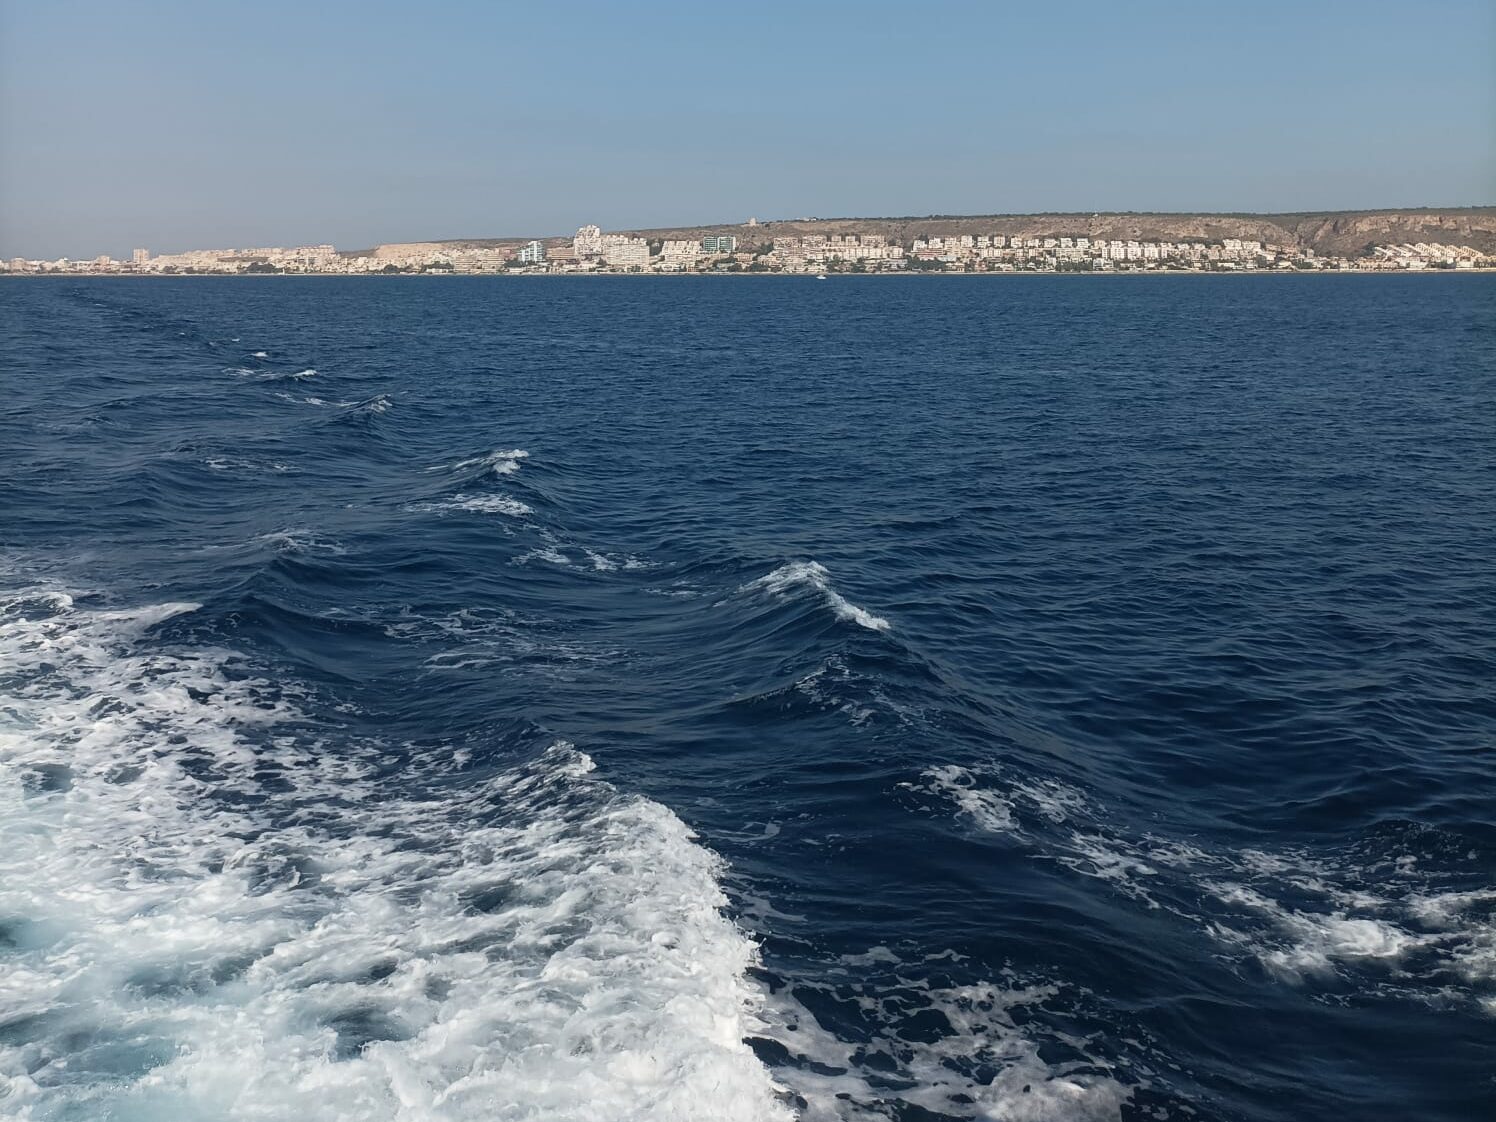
{"points": [[1428, 255], [818, 251], [298, 259], [998, 252], [1005, 252], [592, 250]]}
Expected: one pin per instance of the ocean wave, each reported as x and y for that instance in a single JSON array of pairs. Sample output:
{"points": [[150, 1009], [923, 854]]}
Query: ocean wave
{"points": [[483, 504], [478, 638], [549, 553], [549, 550], [999, 804], [499, 463], [239, 464], [212, 912], [273, 375], [300, 541], [610, 562], [311, 400], [813, 575], [379, 403], [1297, 914]]}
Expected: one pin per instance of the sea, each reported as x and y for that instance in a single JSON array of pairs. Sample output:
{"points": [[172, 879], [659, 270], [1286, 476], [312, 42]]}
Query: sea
{"points": [[746, 699]]}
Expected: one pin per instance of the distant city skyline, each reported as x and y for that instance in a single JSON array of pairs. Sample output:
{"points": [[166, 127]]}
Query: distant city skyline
{"points": [[176, 125]]}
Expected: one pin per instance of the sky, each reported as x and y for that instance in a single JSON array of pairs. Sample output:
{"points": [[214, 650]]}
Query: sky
{"points": [[178, 125]]}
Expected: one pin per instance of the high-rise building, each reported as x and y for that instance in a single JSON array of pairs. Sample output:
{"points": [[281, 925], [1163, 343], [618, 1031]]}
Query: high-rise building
{"points": [[623, 252], [532, 254], [719, 243], [141, 256], [588, 243]]}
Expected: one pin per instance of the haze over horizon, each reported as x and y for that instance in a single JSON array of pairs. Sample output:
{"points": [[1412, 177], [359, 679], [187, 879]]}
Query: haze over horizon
{"points": [[176, 126]]}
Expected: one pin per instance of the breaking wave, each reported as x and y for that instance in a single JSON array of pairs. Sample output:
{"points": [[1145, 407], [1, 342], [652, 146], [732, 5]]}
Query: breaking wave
{"points": [[813, 575]]}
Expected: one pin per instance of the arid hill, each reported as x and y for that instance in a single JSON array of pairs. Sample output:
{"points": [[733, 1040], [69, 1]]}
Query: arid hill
{"points": [[1347, 233]]}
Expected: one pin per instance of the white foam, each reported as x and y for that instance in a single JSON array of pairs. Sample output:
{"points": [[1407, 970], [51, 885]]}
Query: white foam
{"points": [[1316, 941], [259, 354], [219, 917], [1466, 923], [812, 574], [239, 464], [1097, 856], [825, 685], [938, 1075], [489, 504], [500, 463], [601, 561], [379, 403], [1297, 914], [986, 806], [310, 400], [300, 540], [477, 638], [548, 551], [993, 801], [680, 591]]}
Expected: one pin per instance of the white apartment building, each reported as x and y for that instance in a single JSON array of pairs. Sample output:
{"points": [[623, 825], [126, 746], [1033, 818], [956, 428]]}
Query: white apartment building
{"points": [[623, 252], [588, 243], [680, 254]]}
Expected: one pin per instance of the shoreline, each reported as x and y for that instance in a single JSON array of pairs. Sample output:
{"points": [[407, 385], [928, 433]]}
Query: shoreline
{"points": [[923, 274]]}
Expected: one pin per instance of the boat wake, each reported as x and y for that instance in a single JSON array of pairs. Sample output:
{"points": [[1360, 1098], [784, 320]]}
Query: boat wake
{"points": [[211, 908]]}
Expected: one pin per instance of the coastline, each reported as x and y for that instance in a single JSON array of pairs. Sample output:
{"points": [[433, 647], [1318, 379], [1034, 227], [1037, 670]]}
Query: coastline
{"points": [[744, 274]]}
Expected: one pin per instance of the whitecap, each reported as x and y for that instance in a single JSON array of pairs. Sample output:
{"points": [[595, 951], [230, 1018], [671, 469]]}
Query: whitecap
{"points": [[812, 574], [379, 403], [500, 463]]}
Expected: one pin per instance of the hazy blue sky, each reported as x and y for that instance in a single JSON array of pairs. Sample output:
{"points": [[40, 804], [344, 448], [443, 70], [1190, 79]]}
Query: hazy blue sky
{"points": [[192, 124]]}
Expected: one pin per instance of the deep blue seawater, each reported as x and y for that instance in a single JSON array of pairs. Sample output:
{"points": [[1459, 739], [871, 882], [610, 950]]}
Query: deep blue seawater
{"points": [[743, 699]]}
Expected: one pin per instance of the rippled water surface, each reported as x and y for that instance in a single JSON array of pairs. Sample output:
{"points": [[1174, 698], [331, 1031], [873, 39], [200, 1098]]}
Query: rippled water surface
{"points": [[747, 699]]}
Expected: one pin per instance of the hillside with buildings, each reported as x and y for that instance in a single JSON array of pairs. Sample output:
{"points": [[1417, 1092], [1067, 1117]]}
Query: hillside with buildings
{"points": [[1331, 233], [1451, 238]]}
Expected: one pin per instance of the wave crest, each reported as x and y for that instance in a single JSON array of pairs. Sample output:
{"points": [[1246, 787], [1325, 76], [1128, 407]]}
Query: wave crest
{"points": [[813, 575]]}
